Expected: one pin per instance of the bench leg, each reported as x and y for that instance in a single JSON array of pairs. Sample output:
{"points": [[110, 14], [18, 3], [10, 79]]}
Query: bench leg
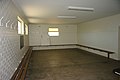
{"points": [[108, 56]]}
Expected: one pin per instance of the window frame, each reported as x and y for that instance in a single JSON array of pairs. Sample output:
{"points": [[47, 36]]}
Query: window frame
{"points": [[52, 30]]}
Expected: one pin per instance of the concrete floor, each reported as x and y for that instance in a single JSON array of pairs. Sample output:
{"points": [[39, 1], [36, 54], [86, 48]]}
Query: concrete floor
{"points": [[70, 64]]}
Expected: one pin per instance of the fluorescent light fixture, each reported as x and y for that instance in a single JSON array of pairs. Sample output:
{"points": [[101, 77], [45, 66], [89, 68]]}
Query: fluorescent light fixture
{"points": [[67, 17], [80, 8]]}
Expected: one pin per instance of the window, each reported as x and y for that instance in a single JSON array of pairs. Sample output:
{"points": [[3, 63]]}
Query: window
{"points": [[53, 32], [26, 29], [21, 31], [20, 26]]}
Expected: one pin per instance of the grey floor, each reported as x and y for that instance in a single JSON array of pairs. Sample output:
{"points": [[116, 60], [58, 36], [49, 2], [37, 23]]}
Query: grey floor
{"points": [[70, 64]]}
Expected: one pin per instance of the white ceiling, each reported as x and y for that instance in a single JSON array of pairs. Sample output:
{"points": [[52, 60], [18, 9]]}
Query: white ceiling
{"points": [[46, 11]]}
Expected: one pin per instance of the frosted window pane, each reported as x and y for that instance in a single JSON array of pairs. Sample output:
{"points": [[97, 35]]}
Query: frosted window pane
{"points": [[19, 27], [53, 33], [26, 29], [53, 29]]}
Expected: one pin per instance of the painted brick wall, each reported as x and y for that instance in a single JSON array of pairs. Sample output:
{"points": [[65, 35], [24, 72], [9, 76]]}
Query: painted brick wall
{"points": [[10, 52]]}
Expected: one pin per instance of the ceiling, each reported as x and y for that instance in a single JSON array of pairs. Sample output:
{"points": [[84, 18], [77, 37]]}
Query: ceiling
{"points": [[46, 11]]}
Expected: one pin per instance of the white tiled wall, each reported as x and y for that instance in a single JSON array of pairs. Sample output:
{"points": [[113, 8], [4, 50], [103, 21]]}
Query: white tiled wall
{"points": [[38, 34], [10, 52], [102, 34]]}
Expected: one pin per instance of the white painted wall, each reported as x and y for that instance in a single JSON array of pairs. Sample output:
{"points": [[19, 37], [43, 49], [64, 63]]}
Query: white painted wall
{"points": [[101, 33], [38, 34], [10, 52]]}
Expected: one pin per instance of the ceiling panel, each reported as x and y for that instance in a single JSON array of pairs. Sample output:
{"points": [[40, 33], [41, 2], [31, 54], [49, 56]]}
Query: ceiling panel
{"points": [[46, 11]]}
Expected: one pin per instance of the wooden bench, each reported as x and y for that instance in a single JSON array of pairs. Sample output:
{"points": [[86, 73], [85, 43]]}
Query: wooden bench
{"points": [[20, 73], [101, 50], [108, 52]]}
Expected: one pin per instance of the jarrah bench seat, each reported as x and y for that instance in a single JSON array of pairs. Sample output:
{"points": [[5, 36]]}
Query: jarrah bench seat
{"points": [[101, 50]]}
